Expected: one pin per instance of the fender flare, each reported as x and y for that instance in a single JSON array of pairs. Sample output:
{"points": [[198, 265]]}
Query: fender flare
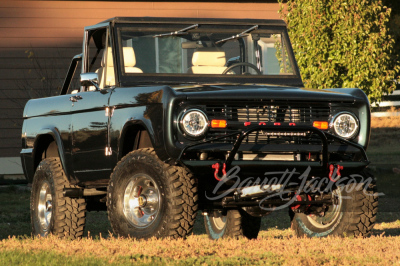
{"points": [[134, 123], [55, 134]]}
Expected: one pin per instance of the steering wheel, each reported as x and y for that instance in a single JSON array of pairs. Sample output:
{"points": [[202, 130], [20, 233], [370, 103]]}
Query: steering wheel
{"points": [[242, 64]]}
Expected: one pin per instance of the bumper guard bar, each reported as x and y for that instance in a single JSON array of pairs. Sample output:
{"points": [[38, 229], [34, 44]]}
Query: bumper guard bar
{"points": [[324, 165]]}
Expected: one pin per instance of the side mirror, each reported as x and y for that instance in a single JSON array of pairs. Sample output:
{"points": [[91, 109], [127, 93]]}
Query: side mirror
{"points": [[90, 79]]}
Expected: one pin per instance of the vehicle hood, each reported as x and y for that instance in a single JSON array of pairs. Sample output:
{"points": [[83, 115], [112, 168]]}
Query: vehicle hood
{"points": [[261, 92]]}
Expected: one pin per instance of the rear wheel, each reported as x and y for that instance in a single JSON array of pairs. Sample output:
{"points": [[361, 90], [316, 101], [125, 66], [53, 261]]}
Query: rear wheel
{"points": [[232, 223], [353, 214], [51, 211]]}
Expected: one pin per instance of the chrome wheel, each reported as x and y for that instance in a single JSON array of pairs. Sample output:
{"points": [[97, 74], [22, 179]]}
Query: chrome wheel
{"points": [[331, 215], [142, 201], [45, 206]]}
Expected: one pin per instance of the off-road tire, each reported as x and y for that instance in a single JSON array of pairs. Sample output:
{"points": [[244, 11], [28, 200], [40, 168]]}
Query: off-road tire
{"points": [[238, 224], [178, 196], [357, 216], [67, 214]]}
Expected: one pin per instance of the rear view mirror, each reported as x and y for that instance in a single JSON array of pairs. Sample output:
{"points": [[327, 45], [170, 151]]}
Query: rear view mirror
{"points": [[191, 45]]}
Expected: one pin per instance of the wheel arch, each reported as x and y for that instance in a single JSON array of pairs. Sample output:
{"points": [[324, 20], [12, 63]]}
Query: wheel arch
{"points": [[47, 144], [135, 135]]}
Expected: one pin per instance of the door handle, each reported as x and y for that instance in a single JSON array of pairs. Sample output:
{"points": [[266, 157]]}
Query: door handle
{"points": [[75, 98]]}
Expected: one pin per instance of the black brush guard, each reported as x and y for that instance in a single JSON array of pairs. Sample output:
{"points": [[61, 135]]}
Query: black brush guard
{"points": [[320, 166]]}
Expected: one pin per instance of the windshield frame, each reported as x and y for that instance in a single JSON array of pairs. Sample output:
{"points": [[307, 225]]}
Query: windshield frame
{"points": [[130, 79]]}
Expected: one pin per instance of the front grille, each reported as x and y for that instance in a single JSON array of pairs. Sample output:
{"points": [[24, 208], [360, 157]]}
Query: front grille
{"points": [[256, 113], [268, 113]]}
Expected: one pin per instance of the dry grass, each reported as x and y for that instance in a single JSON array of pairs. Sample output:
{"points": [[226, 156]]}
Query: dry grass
{"points": [[273, 247], [392, 121], [384, 145]]}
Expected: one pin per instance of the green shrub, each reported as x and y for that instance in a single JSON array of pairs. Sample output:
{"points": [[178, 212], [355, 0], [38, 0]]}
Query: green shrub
{"points": [[343, 43]]}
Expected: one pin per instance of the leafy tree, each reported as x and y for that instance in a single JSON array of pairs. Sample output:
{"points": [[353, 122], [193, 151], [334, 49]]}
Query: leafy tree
{"points": [[394, 22], [343, 43]]}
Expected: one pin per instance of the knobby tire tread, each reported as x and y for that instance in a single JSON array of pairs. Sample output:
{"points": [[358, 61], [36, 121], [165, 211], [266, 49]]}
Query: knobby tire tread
{"points": [[69, 214], [183, 192], [363, 211]]}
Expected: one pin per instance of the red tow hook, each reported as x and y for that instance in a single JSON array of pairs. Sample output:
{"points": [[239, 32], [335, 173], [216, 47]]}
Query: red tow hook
{"points": [[332, 170], [216, 172]]}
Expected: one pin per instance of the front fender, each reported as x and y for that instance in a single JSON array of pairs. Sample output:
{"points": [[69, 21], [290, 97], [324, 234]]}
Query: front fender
{"points": [[55, 134], [145, 108]]}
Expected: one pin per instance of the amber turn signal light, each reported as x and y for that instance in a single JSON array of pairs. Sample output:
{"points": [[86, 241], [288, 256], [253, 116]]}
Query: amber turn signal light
{"points": [[321, 125], [218, 123]]}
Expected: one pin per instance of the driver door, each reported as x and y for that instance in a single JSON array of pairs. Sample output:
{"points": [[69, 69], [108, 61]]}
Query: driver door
{"points": [[89, 136], [90, 117]]}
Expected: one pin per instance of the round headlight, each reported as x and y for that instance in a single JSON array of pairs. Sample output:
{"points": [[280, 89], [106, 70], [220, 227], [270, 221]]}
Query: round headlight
{"points": [[345, 125], [194, 123]]}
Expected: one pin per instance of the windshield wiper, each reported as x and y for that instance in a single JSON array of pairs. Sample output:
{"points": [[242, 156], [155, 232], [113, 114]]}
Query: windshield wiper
{"points": [[237, 36], [178, 32]]}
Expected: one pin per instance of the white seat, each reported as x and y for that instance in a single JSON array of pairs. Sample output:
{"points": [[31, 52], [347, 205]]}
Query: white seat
{"points": [[208, 61], [106, 71], [130, 61]]}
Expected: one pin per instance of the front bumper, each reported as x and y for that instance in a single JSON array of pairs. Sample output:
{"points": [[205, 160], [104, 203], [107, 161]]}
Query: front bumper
{"points": [[320, 168]]}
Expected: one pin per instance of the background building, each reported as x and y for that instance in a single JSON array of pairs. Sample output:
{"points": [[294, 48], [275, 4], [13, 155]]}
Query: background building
{"points": [[39, 38]]}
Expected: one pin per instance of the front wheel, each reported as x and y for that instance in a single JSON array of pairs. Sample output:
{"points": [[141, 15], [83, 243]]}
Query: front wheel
{"points": [[148, 198], [232, 223], [353, 214]]}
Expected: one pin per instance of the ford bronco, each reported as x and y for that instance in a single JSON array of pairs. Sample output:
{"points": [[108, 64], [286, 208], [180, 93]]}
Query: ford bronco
{"points": [[170, 116]]}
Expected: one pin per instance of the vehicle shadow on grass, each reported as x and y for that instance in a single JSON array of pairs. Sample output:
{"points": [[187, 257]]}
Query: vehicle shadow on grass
{"points": [[387, 224], [97, 224], [387, 232]]}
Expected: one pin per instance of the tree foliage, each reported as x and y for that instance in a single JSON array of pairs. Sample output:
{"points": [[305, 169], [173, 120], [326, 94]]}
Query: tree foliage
{"points": [[394, 22], [343, 43]]}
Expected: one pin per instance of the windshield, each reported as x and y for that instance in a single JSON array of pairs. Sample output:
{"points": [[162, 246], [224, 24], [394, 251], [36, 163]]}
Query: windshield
{"points": [[204, 50]]}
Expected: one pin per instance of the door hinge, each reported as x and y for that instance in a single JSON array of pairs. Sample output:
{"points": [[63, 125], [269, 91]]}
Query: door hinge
{"points": [[109, 111], [108, 151]]}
